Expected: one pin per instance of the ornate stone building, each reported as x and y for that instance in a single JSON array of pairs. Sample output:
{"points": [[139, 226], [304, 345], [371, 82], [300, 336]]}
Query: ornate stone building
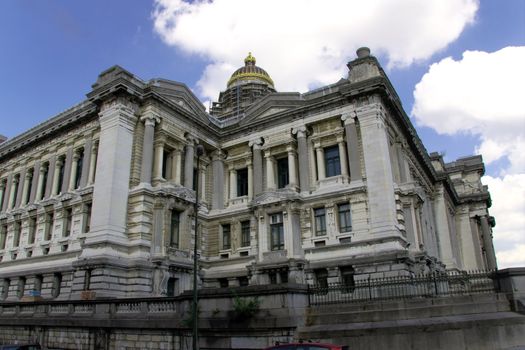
{"points": [[330, 185]]}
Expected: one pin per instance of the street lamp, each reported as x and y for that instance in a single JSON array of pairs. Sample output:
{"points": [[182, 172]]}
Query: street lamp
{"points": [[200, 152]]}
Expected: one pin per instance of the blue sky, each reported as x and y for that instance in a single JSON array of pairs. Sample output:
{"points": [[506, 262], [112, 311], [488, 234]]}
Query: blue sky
{"points": [[52, 51]]}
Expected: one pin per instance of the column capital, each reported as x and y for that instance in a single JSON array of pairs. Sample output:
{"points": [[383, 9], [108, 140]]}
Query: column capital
{"points": [[349, 117], [300, 131], [191, 140], [150, 120], [29, 174], [218, 154], [256, 143]]}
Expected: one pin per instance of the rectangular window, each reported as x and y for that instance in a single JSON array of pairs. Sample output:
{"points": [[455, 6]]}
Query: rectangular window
{"points": [[61, 175], [245, 233], [175, 228], [87, 221], [331, 161], [32, 230], [16, 238], [49, 227], [226, 236], [68, 220], [345, 218], [277, 231], [3, 236], [242, 182], [320, 221], [282, 172]]}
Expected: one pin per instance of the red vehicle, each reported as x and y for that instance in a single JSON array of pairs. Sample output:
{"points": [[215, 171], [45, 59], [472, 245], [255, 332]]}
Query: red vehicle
{"points": [[307, 346]]}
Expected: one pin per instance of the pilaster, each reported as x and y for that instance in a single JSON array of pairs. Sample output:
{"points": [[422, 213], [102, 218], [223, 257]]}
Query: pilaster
{"points": [[304, 166], [218, 179]]}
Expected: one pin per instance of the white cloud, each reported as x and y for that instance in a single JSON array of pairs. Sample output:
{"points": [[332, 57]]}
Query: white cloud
{"points": [[508, 198], [307, 43], [482, 94]]}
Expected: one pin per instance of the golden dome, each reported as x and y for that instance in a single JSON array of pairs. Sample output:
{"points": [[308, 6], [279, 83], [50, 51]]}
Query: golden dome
{"points": [[250, 72]]}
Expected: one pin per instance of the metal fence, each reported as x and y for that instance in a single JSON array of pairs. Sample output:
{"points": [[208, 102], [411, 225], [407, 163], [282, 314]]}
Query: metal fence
{"points": [[405, 287]]}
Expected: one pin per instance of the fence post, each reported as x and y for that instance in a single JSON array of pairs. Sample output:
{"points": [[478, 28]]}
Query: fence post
{"points": [[308, 291], [369, 289]]}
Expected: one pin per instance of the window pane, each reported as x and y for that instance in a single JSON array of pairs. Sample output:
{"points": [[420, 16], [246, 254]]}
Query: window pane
{"points": [[282, 172], [277, 232], [332, 163], [226, 236], [242, 182], [345, 220], [174, 228], [320, 221], [245, 234]]}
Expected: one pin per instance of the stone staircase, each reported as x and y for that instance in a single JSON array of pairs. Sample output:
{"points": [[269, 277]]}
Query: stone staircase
{"points": [[483, 321]]}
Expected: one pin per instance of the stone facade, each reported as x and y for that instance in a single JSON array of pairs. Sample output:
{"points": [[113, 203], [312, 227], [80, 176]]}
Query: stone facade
{"points": [[332, 185]]}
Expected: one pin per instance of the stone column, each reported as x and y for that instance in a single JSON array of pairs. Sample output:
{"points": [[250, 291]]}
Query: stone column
{"points": [[7, 192], [233, 183], [41, 185], [67, 170], [147, 147], [321, 170], [93, 164], [342, 156], [443, 229], [352, 145], [188, 163], [110, 195], [304, 163], [2, 193], [73, 173], [380, 182], [270, 174], [36, 180], [50, 176], [202, 184], [25, 191], [176, 166], [292, 172], [58, 163], [250, 180], [257, 167], [487, 243], [12, 194], [85, 162], [159, 159], [20, 191], [218, 179]]}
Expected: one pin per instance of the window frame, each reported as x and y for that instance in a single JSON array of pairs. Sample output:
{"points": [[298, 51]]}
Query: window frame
{"points": [[226, 235], [174, 228], [283, 172], [245, 233], [320, 221], [348, 220], [332, 163], [277, 232], [242, 182]]}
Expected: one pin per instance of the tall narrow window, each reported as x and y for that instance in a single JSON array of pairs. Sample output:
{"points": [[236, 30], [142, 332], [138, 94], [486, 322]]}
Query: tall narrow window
{"points": [[68, 220], [282, 173], [3, 235], [5, 288], [87, 221], [345, 218], [347, 277], [320, 221], [80, 164], [16, 237], [49, 227], [37, 286], [171, 289], [226, 236], [174, 228], [242, 182], [87, 279], [321, 277], [277, 231], [3, 186], [165, 158], [57, 283], [332, 162], [21, 287], [245, 233], [32, 230]]}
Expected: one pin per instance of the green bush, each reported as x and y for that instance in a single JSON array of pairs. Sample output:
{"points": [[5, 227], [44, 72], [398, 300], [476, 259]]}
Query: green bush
{"points": [[245, 307]]}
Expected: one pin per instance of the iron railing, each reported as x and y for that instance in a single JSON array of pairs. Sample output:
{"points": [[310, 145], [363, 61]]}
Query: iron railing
{"points": [[431, 285]]}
